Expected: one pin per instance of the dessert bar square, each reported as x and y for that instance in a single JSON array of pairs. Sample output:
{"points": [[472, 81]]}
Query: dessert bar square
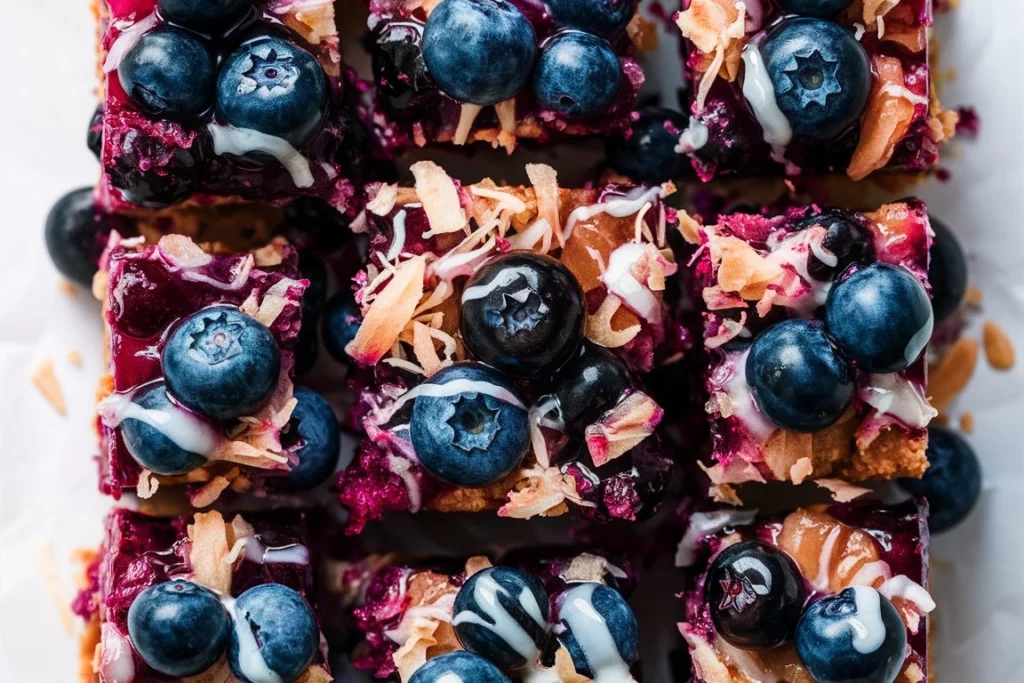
{"points": [[810, 88], [508, 330]]}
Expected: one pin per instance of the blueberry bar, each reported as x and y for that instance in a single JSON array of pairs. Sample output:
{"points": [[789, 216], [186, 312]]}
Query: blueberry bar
{"points": [[816, 323], [809, 87], [499, 70], [227, 100], [202, 598], [532, 617], [199, 393], [508, 329], [825, 593]]}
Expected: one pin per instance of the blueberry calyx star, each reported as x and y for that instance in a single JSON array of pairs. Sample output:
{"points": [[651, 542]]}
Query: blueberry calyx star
{"points": [[217, 340], [474, 424], [813, 78], [268, 72], [522, 310]]}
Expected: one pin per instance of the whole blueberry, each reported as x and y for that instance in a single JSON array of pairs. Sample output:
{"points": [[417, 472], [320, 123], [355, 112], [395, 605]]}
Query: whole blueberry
{"points": [[578, 74], [821, 76], [273, 86], [160, 435], [221, 363], [399, 69], [587, 386], [856, 636], [847, 240], [523, 313], [204, 15], [313, 269], [952, 482], [314, 437], [469, 425], [815, 8], [178, 628], [880, 317], [94, 135], [947, 271], [479, 51], [341, 322], [648, 155], [796, 377], [76, 234], [458, 666], [169, 73], [755, 594], [149, 172], [593, 612], [501, 614], [274, 629], [603, 17]]}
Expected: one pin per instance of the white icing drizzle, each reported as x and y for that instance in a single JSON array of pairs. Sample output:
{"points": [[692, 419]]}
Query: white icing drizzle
{"points": [[117, 665], [529, 237], [902, 586], [868, 627], [593, 635], [619, 207], [450, 677], [742, 401], [256, 551], [401, 466], [703, 524], [240, 141], [126, 41], [504, 278], [184, 429], [619, 280], [440, 610], [820, 582], [485, 594], [398, 241], [250, 659], [892, 394], [760, 94], [453, 388], [693, 138], [239, 274], [894, 90]]}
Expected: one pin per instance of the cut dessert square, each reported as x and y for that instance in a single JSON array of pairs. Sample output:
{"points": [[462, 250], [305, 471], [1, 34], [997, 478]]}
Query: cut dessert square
{"points": [[535, 616], [202, 598], [468, 71], [824, 593], [816, 323], [245, 99], [807, 88], [508, 329]]}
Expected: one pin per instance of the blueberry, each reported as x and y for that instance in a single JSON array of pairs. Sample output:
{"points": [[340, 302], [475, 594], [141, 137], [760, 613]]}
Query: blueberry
{"points": [[314, 270], [399, 69], [587, 387], [603, 17], [94, 135], [342, 318], [847, 239], [880, 317], [952, 482], [479, 51], [312, 223], [796, 377], [815, 8], [76, 234], [275, 87], [204, 15], [856, 636], [648, 155], [468, 425], [150, 435], [755, 594], [169, 73], [178, 628], [313, 435], [578, 74], [598, 629], [523, 313], [275, 633], [459, 666], [221, 363], [501, 613], [947, 271], [149, 173], [821, 76]]}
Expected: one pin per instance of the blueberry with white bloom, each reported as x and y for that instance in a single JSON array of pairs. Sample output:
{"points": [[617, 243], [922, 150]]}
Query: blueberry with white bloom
{"points": [[578, 74], [598, 628], [603, 17], [169, 72], [151, 441], [274, 630], [314, 437], [458, 667]]}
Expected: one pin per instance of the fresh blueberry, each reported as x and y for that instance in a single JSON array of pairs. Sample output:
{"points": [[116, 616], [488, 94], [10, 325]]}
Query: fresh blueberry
{"points": [[314, 270], [947, 271], [275, 87], [459, 666], [275, 635], [847, 239], [76, 234], [398, 67], [648, 155], [755, 594], [204, 15], [469, 425], [94, 136], [578, 74], [880, 317], [221, 363], [342, 318], [148, 433], [178, 628], [603, 17], [796, 377], [856, 636], [501, 613], [169, 73], [151, 173], [312, 223], [952, 482], [479, 51], [588, 386], [822, 9], [593, 612], [523, 313], [821, 76], [312, 436]]}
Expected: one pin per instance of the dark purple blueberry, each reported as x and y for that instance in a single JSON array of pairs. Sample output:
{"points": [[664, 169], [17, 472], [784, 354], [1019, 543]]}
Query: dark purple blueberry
{"points": [[169, 73], [153, 440], [602, 17], [755, 594], [312, 223], [593, 612], [312, 269], [523, 313], [796, 377], [313, 435], [821, 76], [94, 136], [880, 317], [823, 9], [204, 15], [847, 239], [458, 666], [952, 482], [947, 271], [856, 636], [577, 74], [479, 51], [648, 155], [587, 386], [398, 67], [341, 321], [275, 633], [76, 234], [146, 183]]}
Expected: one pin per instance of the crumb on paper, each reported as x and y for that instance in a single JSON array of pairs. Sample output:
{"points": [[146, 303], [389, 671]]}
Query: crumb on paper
{"points": [[952, 373], [51, 578], [75, 357], [974, 296], [45, 380], [967, 423], [998, 348], [68, 287]]}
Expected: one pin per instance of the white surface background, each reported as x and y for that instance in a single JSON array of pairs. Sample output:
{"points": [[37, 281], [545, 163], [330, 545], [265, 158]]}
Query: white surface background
{"points": [[48, 500]]}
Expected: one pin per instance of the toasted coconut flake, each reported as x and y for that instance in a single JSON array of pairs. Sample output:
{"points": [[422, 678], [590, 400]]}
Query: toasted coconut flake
{"points": [[147, 486], [425, 630], [183, 252], [706, 660], [477, 564], [689, 228], [271, 254], [736, 472], [210, 492], [599, 326], [998, 347], [506, 112], [440, 198], [952, 374], [842, 492], [885, 121], [874, 10], [725, 493], [467, 116], [423, 347], [389, 313], [801, 470], [623, 427], [274, 302], [384, 201], [545, 185], [741, 269], [715, 27], [544, 494], [643, 33], [727, 331], [588, 568], [784, 450], [209, 535], [75, 357], [45, 380]]}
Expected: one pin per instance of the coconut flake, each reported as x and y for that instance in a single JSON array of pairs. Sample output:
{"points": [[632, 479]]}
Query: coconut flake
{"points": [[623, 427], [384, 200], [45, 380], [716, 28], [389, 313], [545, 186], [210, 545], [599, 326], [545, 492], [885, 121], [440, 199]]}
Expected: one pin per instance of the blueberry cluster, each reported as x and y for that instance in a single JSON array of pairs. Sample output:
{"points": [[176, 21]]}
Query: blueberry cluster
{"points": [[757, 600], [483, 52], [181, 629]]}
